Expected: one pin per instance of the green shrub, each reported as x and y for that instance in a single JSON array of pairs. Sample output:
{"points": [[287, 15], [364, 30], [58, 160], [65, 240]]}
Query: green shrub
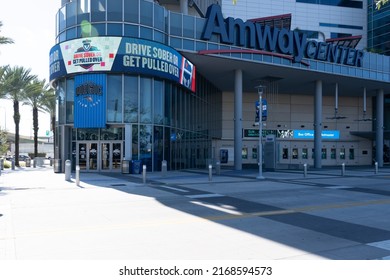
{"points": [[7, 164]]}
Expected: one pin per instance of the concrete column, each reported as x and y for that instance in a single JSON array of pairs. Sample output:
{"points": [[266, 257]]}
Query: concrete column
{"points": [[379, 126], [318, 125], [184, 7], [128, 142], [238, 120]]}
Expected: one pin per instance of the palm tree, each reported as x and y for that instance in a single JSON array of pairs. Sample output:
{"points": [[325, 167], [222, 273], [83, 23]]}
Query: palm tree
{"points": [[2, 71], [14, 82], [34, 95], [49, 106], [380, 3], [5, 40]]}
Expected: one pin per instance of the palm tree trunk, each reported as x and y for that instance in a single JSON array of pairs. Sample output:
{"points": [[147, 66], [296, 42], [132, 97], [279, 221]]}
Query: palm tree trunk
{"points": [[17, 121], [35, 127]]}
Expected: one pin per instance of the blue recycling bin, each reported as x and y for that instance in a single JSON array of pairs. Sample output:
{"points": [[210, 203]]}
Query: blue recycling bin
{"points": [[136, 167]]}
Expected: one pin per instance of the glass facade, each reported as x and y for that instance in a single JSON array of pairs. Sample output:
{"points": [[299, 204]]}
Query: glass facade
{"points": [[167, 121], [378, 28]]}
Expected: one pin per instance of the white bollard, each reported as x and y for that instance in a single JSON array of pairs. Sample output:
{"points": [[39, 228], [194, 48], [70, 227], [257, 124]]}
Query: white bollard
{"points": [[210, 172], [144, 174], [376, 168], [68, 167], [343, 169], [78, 175], [305, 170]]}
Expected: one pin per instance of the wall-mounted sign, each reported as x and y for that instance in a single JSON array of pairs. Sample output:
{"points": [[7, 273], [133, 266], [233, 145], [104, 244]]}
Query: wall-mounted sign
{"points": [[253, 35], [90, 101], [309, 134], [125, 55]]}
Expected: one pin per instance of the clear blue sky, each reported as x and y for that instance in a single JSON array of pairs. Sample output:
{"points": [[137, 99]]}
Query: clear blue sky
{"points": [[31, 24]]}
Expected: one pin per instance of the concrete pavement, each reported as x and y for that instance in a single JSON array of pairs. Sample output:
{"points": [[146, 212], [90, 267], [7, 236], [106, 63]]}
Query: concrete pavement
{"points": [[185, 216]]}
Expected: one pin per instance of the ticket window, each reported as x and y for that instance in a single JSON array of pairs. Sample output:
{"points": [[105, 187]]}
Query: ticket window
{"points": [[244, 153], [323, 153], [333, 153], [285, 153], [304, 153], [254, 153], [295, 153], [351, 153], [342, 153]]}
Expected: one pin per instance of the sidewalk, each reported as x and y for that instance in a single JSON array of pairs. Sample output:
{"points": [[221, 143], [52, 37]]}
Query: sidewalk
{"points": [[184, 215]]}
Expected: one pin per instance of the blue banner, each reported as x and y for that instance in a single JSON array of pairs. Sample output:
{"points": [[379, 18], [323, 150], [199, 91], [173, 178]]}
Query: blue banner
{"points": [[309, 134], [90, 101]]}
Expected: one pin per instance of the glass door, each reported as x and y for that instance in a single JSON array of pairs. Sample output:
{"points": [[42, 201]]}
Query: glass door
{"points": [[93, 156], [116, 156], [82, 156], [106, 156]]}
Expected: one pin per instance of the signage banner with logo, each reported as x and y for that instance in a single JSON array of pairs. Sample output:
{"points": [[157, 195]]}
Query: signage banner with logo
{"points": [[90, 101], [309, 134], [124, 55]]}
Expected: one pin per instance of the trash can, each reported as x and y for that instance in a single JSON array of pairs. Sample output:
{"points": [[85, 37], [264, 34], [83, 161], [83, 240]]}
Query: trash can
{"points": [[125, 166], [136, 167], [28, 162]]}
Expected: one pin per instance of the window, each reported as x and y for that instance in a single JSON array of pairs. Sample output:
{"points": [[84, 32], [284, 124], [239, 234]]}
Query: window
{"points": [[98, 10], [285, 153], [158, 112], [131, 10], [304, 153], [244, 153], [333, 153], [131, 99], [70, 101], [145, 100], [114, 98], [295, 153], [342, 153], [114, 10], [323, 153]]}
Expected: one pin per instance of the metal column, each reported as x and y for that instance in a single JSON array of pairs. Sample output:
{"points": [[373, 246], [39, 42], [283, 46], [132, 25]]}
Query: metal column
{"points": [[379, 126], [318, 125], [238, 120]]}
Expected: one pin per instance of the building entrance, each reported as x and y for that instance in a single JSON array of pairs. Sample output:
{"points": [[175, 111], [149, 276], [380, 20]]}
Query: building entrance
{"points": [[99, 155]]}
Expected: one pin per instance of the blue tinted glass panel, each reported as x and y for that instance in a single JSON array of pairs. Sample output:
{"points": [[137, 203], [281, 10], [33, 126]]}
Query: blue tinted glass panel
{"points": [[83, 11], [147, 13], [325, 24], [146, 100], [199, 27], [339, 3], [114, 98], [188, 44], [71, 9], [62, 37], [200, 46], [62, 18], [159, 37], [188, 26], [176, 43], [131, 99], [114, 10], [114, 29], [176, 24], [159, 20], [71, 33], [131, 10], [70, 101], [131, 30], [98, 29], [98, 10], [146, 33]]}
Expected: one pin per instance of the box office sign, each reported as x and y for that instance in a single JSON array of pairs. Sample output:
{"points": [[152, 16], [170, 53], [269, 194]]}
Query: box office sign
{"points": [[124, 55]]}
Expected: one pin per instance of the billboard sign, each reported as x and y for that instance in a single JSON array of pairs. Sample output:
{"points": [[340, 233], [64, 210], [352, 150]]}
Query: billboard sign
{"points": [[124, 55]]}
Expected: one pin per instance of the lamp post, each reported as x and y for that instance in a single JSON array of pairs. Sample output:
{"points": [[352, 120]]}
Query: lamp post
{"points": [[260, 90]]}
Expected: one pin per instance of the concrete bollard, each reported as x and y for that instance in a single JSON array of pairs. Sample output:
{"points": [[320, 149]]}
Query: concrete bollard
{"points": [[68, 167], [210, 172], [343, 169], [305, 170], [164, 168], [78, 175], [376, 168], [13, 164], [144, 174], [1, 164], [218, 167]]}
